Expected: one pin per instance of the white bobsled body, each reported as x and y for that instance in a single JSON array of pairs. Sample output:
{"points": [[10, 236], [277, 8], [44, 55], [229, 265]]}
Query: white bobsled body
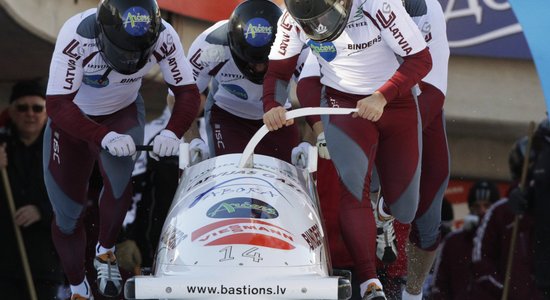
{"points": [[237, 232]]}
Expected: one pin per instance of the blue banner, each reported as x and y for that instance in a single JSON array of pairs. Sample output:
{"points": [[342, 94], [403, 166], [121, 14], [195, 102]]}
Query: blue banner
{"points": [[534, 17], [484, 28]]}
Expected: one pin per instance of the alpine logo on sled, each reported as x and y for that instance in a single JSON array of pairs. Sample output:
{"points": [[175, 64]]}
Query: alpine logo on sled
{"points": [[242, 207], [245, 232]]}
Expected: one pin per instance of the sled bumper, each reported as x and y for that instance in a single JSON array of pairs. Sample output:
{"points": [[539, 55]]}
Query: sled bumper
{"points": [[187, 287]]}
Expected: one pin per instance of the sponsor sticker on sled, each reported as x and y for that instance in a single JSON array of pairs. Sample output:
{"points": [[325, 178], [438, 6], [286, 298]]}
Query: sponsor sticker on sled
{"points": [[242, 207]]}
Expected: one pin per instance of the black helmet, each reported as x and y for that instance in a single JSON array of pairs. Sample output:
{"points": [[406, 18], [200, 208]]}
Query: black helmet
{"points": [[516, 158], [127, 33], [251, 32], [321, 20], [483, 190]]}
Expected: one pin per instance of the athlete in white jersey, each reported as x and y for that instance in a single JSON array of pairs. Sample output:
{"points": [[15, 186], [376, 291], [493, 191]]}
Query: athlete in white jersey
{"points": [[425, 235], [428, 16], [356, 42], [96, 114], [229, 62]]}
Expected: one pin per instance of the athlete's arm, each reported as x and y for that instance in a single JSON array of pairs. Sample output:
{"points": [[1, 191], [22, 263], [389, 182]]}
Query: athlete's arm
{"points": [[177, 73], [65, 78], [282, 63], [402, 35], [283, 58]]}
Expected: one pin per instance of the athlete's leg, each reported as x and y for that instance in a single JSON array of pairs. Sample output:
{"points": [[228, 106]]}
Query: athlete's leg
{"points": [[68, 163], [116, 196], [229, 132], [398, 158], [352, 145], [425, 234]]}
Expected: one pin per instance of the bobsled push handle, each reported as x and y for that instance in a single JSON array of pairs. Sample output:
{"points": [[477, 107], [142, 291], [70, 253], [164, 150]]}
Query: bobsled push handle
{"points": [[246, 158], [144, 147]]}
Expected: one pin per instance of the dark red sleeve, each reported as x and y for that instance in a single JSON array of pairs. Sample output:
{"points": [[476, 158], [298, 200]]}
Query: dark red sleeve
{"points": [[65, 114], [488, 254], [277, 70], [186, 108], [308, 91], [412, 70]]}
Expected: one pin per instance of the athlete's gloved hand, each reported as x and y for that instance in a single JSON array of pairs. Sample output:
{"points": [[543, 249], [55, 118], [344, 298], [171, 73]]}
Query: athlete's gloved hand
{"points": [[198, 151], [300, 153], [166, 143], [128, 256], [118, 144], [322, 146]]}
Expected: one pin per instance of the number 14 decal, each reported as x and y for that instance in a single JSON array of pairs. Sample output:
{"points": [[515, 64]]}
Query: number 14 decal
{"points": [[253, 253]]}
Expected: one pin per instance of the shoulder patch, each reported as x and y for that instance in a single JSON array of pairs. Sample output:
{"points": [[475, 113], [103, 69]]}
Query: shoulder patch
{"points": [[218, 36], [87, 28], [214, 54]]}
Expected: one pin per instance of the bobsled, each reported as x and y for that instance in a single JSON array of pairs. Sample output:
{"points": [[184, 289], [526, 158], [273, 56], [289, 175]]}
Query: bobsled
{"points": [[244, 226]]}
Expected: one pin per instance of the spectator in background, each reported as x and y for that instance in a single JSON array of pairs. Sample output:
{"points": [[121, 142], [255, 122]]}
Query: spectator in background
{"points": [[533, 201], [21, 154], [493, 240], [541, 196], [453, 272]]}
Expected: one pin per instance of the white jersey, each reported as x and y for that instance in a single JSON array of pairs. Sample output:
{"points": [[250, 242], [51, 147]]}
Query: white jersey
{"points": [[362, 58], [212, 63], [311, 65], [428, 16], [77, 66]]}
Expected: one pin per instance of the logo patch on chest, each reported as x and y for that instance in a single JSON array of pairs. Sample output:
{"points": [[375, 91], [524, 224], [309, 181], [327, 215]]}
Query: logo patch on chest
{"points": [[236, 91], [325, 50], [95, 81]]}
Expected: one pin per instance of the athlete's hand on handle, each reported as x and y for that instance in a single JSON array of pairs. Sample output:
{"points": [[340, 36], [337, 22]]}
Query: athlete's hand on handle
{"points": [[300, 155], [166, 143], [371, 107], [275, 118], [118, 144], [198, 148], [322, 146]]}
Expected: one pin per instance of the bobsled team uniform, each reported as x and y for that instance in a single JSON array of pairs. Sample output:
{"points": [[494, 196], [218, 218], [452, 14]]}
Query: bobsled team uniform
{"points": [[233, 108], [428, 15], [358, 63], [308, 92], [86, 99]]}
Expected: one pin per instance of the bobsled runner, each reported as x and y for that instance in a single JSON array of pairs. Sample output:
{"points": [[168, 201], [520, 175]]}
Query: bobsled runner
{"points": [[244, 226]]}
